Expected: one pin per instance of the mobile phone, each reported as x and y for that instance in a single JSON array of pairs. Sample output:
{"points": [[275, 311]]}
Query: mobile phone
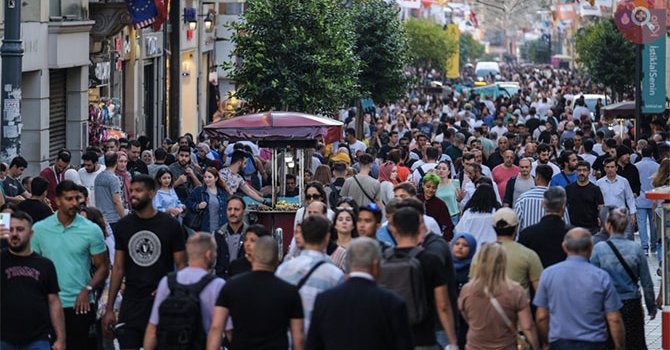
{"points": [[5, 219]]}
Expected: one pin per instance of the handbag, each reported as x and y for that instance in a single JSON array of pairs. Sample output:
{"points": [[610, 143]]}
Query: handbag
{"points": [[193, 220], [521, 341]]}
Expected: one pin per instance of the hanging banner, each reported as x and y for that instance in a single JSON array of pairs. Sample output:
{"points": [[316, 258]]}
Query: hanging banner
{"points": [[653, 79], [410, 4], [566, 11], [452, 61]]}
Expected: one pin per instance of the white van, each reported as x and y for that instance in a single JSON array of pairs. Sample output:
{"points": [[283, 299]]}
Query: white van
{"points": [[487, 68]]}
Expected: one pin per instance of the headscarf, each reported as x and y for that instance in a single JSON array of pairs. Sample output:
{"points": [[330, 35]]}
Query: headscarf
{"points": [[124, 177], [385, 172], [462, 266]]}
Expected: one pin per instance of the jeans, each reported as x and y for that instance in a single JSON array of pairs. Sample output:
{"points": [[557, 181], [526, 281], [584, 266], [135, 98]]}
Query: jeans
{"points": [[36, 345], [79, 329], [645, 215], [441, 337], [577, 345]]}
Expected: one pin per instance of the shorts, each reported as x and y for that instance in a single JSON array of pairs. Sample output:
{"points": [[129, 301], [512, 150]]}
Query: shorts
{"points": [[133, 319]]}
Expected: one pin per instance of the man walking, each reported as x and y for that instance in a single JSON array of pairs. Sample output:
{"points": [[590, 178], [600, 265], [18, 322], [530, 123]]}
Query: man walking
{"points": [[135, 164], [505, 171], [108, 191], [230, 237], [567, 175], [73, 243], [184, 173], [201, 252], [260, 318], [35, 205], [578, 317], [646, 167], [89, 172], [359, 314], [584, 199], [55, 173], [529, 207], [545, 237], [362, 187], [518, 185], [29, 295], [149, 244], [617, 192], [311, 272]]}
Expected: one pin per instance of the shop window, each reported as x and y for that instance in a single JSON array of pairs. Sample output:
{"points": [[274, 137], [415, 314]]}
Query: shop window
{"points": [[68, 10]]}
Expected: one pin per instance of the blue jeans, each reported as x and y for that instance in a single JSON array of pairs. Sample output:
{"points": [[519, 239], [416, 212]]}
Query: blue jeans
{"points": [[577, 345], [36, 345], [645, 215]]}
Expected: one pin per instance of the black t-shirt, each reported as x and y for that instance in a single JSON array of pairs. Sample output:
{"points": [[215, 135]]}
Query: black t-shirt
{"points": [[36, 209], [149, 245], [433, 276], [583, 202], [261, 306], [137, 167], [26, 283]]}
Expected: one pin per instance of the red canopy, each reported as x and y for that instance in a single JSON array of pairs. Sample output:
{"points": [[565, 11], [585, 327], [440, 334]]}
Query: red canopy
{"points": [[277, 126]]}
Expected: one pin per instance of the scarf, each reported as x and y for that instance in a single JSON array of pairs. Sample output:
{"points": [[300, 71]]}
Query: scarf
{"points": [[124, 177], [462, 266]]}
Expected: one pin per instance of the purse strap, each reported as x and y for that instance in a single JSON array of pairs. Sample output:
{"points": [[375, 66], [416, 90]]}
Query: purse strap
{"points": [[362, 189], [503, 315], [623, 262]]}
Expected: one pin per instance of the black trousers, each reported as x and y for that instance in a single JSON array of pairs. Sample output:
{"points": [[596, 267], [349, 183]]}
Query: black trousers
{"points": [[79, 329]]}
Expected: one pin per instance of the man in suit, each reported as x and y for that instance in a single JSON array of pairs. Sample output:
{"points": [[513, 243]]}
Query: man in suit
{"points": [[359, 314], [546, 237]]}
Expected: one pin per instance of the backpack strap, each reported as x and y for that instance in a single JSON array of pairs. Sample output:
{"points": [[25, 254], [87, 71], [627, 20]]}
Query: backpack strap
{"points": [[421, 172], [309, 273], [173, 285], [623, 262], [414, 252], [196, 288]]}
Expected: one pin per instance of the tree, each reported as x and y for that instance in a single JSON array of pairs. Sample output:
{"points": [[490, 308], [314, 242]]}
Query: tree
{"points": [[429, 44], [606, 55], [382, 47], [538, 52], [295, 55], [471, 49]]}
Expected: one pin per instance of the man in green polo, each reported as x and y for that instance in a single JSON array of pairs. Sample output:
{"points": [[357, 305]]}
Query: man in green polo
{"points": [[71, 242]]}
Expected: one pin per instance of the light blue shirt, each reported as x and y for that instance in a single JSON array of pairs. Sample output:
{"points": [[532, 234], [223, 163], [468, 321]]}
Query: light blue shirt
{"points": [[324, 277], [604, 257], [578, 296], [164, 200], [647, 167], [617, 193]]}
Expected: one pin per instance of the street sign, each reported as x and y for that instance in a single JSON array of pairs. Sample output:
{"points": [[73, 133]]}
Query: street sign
{"points": [[641, 21], [653, 78]]}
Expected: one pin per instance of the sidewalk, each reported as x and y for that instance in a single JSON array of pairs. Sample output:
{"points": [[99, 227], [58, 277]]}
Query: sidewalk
{"points": [[652, 328]]}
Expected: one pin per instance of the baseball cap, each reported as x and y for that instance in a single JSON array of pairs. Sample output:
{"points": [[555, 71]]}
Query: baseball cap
{"points": [[505, 217]]}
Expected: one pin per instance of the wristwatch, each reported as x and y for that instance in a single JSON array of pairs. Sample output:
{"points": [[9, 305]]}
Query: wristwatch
{"points": [[88, 288]]}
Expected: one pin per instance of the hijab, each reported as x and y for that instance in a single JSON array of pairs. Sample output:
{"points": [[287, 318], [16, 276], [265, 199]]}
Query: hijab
{"points": [[385, 172], [124, 177], [462, 266]]}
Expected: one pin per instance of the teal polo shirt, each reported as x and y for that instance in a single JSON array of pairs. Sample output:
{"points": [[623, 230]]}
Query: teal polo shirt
{"points": [[70, 249]]}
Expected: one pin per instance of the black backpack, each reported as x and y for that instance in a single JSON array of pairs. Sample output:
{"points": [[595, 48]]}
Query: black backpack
{"points": [[402, 273], [334, 196], [180, 321]]}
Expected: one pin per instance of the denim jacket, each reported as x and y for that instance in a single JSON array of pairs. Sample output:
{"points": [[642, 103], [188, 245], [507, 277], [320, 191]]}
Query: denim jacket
{"points": [[604, 257], [200, 194]]}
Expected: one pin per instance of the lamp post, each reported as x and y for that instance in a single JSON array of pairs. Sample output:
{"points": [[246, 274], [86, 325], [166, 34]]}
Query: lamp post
{"points": [[11, 53]]}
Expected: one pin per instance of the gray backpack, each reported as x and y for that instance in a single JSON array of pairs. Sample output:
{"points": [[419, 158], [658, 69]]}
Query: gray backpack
{"points": [[402, 273]]}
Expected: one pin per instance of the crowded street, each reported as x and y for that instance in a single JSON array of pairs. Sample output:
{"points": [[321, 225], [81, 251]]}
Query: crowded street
{"points": [[369, 175]]}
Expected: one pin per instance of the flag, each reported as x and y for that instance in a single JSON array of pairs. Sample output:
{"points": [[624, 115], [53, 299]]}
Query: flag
{"points": [[162, 7], [473, 19], [143, 12]]}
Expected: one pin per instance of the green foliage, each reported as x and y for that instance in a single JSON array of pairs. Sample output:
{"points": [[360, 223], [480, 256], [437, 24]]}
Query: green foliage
{"points": [[429, 44], [296, 55], [471, 49], [538, 52], [606, 54], [382, 47]]}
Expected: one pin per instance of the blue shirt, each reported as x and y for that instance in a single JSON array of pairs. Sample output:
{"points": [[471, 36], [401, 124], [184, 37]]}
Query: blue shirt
{"points": [[384, 235], [647, 167], [578, 296], [559, 179], [604, 257], [165, 200]]}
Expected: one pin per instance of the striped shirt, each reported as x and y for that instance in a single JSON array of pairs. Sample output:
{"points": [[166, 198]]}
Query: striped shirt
{"points": [[529, 207], [324, 277]]}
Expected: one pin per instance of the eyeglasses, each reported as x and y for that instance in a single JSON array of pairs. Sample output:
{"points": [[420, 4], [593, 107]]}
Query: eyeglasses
{"points": [[312, 196], [351, 210]]}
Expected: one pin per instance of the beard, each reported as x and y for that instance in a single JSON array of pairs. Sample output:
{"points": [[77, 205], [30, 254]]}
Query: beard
{"points": [[141, 204], [19, 248]]}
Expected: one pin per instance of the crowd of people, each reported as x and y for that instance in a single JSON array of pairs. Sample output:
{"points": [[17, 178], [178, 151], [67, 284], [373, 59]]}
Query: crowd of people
{"points": [[453, 221]]}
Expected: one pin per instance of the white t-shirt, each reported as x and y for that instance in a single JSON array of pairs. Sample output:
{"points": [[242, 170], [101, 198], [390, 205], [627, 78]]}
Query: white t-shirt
{"points": [[357, 146], [88, 181]]}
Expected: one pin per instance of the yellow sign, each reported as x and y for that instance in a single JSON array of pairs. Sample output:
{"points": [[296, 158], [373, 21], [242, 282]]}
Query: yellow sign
{"points": [[452, 61]]}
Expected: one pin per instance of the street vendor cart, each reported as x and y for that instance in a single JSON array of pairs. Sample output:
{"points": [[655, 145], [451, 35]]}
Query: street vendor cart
{"points": [[287, 134]]}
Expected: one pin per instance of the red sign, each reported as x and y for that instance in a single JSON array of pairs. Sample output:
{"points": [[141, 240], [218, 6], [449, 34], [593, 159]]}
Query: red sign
{"points": [[641, 21]]}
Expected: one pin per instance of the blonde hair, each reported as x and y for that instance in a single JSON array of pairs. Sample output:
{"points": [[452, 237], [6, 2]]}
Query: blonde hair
{"points": [[663, 174], [490, 275]]}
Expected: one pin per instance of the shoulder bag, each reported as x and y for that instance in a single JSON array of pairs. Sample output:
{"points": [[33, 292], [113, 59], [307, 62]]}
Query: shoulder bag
{"points": [[193, 220], [362, 189], [521, 341]]}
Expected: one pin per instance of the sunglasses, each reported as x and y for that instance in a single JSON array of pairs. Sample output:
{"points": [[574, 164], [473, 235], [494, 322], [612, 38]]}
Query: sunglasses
{"points": [[351, 210], [312, 196]]}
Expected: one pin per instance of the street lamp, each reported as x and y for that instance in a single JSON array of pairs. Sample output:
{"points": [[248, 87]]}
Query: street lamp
{"points": [[192, 23], [209, 21]]}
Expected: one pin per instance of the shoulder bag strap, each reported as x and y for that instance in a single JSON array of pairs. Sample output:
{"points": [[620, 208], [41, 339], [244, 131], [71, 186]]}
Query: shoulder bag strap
{"points": [[421, 172], [567, 180], [304, 279], [503, 315], [362, 189], [623, 262]]}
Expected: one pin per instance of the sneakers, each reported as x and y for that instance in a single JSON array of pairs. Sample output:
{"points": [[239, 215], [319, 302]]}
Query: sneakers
{"points": [[646, 251]]}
